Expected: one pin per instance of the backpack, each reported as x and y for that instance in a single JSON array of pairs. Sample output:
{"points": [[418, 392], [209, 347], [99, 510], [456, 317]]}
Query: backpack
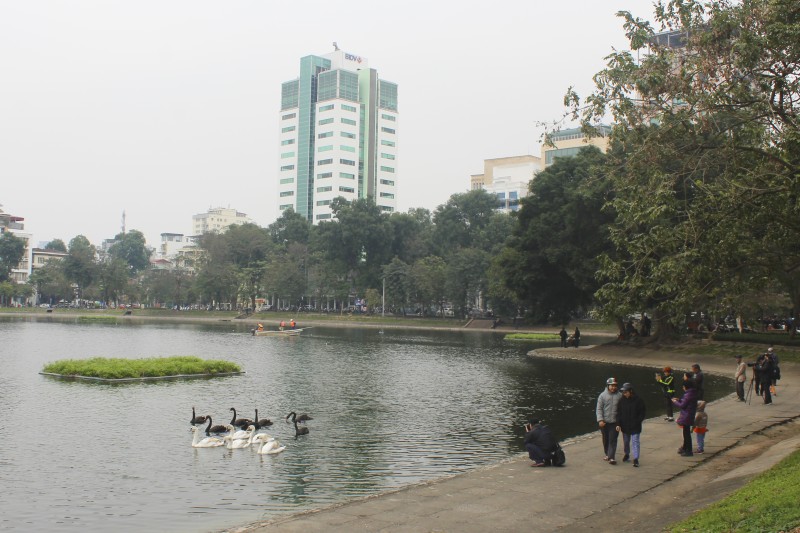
{"points": [[558, 457]]}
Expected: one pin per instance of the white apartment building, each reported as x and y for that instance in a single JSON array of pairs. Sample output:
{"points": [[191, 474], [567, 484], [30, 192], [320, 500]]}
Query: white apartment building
{"points": [[14, 224], [507, 178], [217, 220], [338, 136], [172, 244]]}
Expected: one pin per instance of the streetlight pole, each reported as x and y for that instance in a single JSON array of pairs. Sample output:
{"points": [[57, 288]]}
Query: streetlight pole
{"points": [[383, 300]]}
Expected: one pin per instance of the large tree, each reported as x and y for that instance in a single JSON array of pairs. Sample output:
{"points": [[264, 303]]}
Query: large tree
{"points": [[551, 260], [706, 156], [131, 249], [12, 251]]}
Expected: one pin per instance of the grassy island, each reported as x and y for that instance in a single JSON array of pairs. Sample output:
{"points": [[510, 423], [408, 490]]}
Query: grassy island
{"points": [[156, 367], [531, 336]]}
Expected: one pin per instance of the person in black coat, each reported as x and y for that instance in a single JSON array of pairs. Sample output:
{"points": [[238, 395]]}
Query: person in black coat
{"points": [[630, 415], [764, 370], [539, 441], [697, 377]]}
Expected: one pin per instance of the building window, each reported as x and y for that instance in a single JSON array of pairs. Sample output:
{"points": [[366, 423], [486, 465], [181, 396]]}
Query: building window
{"points": [[284, 181], [347, 148], [347, 162], [324, 216], [347, 175], [387, 182], [285, 207], [384, 142], [325, 121], [323, 175], [287, 167], [349, 108], [387, 130], [387, 169], [346, 189], [287, 129], [325, 189], [324, 202], [324, 162], [347, 135], [348, 121], [326, 107], [325, 148], [388, 117], [290, 115], [284, 194], [387, 156], [287, 141], [286, 155], [325, 134], [387, 195]]}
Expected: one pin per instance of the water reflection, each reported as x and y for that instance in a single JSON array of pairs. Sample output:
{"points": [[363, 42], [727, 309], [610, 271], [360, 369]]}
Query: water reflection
{"points": [[389, 409]]}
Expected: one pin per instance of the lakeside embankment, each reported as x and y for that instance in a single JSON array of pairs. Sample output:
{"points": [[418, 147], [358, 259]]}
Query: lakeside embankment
{"points": [[588, 494]]}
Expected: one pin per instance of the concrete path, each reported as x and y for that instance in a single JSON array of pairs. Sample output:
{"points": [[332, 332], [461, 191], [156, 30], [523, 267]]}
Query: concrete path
{"points": [[587, 494]]}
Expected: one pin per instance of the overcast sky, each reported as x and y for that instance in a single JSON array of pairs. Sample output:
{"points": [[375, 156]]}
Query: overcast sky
{"points": [[163, 109]]}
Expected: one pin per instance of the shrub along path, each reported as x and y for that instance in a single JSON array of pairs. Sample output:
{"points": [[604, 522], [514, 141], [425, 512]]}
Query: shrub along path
{"points": [[588, 494]]}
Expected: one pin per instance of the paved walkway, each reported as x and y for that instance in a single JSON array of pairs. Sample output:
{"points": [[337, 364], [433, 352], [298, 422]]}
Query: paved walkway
{"points": [[582, 496]]}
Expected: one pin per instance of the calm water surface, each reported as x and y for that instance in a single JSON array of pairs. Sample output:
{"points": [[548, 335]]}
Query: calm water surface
{"points": [[390, 408]]}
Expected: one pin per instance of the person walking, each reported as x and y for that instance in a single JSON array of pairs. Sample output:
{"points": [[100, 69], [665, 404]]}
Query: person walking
{"points": [[563, 335], [688, 406], [606, 411], [700, 426], [630, 415], [666, 380], [741, 377], [577, 336], [539, 442]]}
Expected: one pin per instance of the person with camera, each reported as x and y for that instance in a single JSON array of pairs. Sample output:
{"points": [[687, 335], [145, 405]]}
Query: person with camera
{"points": [[666, 381], [688, 406], [539, 442], [764, 371]]}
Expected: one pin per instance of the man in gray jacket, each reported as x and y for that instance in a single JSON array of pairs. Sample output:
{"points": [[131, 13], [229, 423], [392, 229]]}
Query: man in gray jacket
{"points": [[606, 410]]}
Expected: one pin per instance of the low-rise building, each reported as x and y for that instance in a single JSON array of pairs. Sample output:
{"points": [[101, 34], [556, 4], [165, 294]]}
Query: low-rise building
{"points": [[508, 178], [217, 220]]}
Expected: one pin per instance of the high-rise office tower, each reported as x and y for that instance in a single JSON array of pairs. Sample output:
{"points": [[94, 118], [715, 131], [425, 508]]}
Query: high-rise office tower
{"points": [[338, 136]]}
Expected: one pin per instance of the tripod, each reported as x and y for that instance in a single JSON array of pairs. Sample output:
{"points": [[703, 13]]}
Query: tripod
{"points": [[749, 395]]}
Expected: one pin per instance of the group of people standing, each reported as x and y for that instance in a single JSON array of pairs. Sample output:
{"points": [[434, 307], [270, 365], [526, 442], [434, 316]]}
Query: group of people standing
{"points": [[620, 411], [570, 340], [766, 374]]}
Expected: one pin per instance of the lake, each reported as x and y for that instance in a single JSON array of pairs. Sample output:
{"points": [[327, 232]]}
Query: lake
{"points": [[389, 408]]}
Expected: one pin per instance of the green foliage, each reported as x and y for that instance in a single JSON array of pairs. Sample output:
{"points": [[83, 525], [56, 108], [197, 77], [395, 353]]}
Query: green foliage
{"points": [[116, 368], [12, 251], [766, 503], [131, 249]]}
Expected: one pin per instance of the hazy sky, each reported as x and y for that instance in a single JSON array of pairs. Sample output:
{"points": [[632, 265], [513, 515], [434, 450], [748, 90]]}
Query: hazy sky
{"points": [[165, 108]]}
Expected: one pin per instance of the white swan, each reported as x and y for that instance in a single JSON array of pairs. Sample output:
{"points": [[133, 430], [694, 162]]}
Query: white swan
{"points": [[207, 442], [243, 434], [235, 444], [271, 447], [261, 437]]}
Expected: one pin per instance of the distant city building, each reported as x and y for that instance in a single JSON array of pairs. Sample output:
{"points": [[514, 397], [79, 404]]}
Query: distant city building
{"points": [[42, 256], [14, 224], [217, 220], [567, 143], [339, 131], [508, 178], [172, 244]]}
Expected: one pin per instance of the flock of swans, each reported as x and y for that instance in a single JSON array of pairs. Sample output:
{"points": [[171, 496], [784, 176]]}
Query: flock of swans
{"points": [[246, 436]]}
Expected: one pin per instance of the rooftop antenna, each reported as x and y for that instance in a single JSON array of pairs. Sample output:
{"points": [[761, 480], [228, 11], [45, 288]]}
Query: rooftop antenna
{"points": [[123, 222], [335, 46]]}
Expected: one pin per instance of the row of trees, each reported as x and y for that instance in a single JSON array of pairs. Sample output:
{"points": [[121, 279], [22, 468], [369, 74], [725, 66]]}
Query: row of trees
{"points": [[693, 208]]}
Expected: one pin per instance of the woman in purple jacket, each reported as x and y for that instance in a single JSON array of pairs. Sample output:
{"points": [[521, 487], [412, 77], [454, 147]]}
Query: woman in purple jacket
{"points": [[688, 406]]}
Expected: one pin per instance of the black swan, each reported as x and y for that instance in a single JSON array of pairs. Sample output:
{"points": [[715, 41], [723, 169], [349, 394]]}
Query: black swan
{"points": [[300, 418], [241, 422], [297, 430], [197, 419], [263, 423], [215, 429]]}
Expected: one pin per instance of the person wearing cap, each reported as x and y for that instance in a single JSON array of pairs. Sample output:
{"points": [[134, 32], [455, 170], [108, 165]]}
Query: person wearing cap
{"points": [[764, 370], [666, 380], [606, 411], [688, 406], [539, 441], [630, 415], [740, 376]]}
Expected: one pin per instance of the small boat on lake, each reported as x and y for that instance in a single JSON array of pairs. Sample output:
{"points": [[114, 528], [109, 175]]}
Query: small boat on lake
{"points": [[274, 332]]}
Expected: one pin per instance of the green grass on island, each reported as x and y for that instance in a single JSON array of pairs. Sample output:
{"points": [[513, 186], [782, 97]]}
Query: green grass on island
{"points": [[767, 503], [115, 368], [531, 336]]}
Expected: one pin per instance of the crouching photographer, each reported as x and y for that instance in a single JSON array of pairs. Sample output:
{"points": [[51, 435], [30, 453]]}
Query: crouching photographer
{"points": [[542, 446]]}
